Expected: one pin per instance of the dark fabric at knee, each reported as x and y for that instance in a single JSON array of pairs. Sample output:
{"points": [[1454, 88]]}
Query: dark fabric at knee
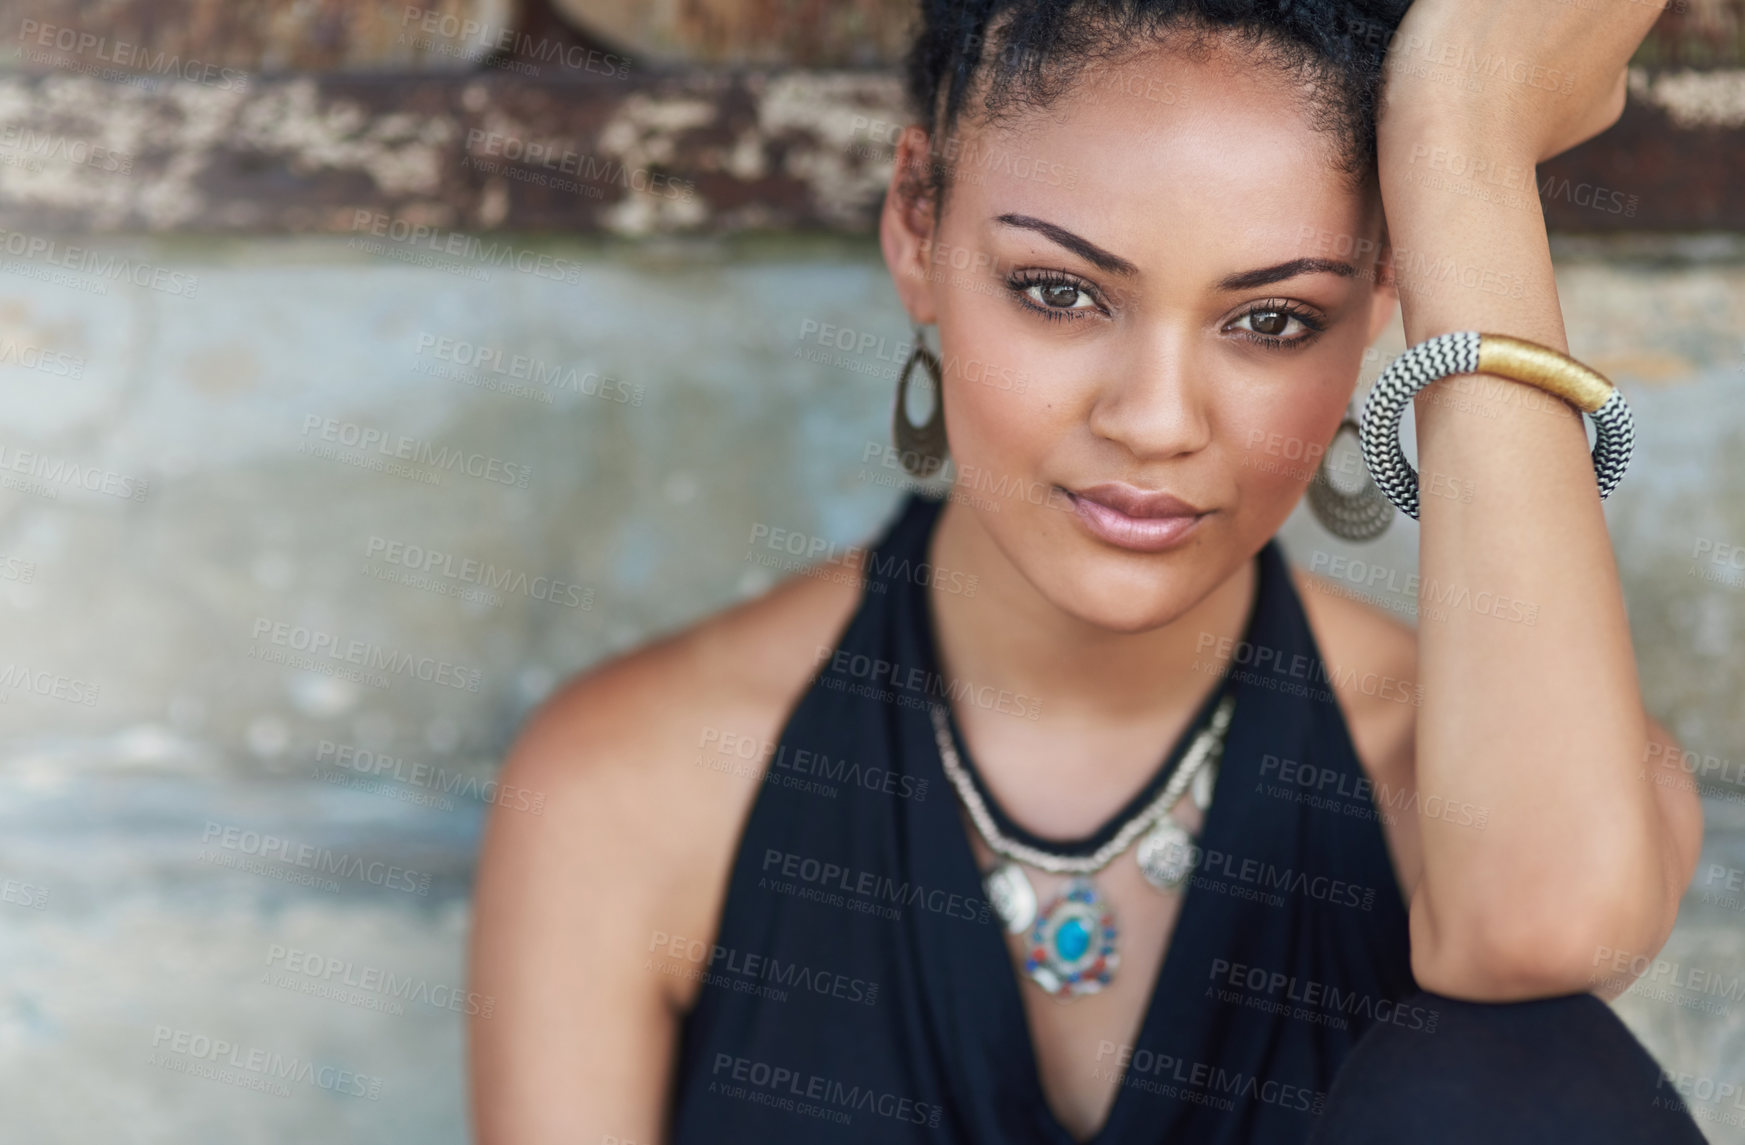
{"points": [[1558, 1069]]}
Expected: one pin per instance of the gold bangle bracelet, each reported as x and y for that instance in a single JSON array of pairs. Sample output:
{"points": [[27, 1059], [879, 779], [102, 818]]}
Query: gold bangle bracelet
{"points": [[1522, 361], [1516, 359]]}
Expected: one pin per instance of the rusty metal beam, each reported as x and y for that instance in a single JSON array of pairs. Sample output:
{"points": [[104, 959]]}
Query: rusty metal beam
{"points": [[637, 154]]}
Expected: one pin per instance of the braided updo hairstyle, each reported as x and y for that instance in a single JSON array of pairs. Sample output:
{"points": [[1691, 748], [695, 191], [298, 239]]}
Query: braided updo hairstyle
{"points": [[1022, 54]]}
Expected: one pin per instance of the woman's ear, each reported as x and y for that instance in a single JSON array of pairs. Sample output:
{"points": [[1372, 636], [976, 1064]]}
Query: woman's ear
{"points": [[906, 225]]}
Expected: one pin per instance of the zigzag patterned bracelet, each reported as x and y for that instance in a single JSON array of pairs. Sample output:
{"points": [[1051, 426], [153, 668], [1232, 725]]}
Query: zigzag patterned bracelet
{"points": [[1469, 352]]}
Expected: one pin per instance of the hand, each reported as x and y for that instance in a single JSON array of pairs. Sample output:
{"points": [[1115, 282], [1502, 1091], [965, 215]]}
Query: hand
{"points": [[1530, 77]]}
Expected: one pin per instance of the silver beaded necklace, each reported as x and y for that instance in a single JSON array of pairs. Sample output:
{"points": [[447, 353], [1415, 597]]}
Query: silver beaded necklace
{"points": [[1072, 943]]}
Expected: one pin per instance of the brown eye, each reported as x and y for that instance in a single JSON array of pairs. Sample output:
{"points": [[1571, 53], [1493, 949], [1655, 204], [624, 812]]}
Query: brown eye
{"points": [[1060, 296], [1269, 321], [1278, 326]]}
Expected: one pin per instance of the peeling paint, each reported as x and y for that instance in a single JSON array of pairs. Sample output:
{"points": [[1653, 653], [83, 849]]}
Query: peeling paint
{"points": [[643, 133], [1694, 99], [830, 107], [401, 153], [778, 151]]}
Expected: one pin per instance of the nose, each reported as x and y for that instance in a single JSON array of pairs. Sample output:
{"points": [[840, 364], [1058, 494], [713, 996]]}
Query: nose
{"points": [[1151, 403]]}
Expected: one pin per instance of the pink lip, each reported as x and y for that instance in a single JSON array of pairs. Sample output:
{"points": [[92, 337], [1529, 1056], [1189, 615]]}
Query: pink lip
{"points": [[1133, 518]]}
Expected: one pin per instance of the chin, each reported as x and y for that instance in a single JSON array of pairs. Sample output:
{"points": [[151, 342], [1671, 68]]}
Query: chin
{"points": [[1126, 594]]}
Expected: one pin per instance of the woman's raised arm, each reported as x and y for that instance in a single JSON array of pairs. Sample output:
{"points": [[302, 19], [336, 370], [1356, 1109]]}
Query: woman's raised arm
{"points": [[1533, 712]]}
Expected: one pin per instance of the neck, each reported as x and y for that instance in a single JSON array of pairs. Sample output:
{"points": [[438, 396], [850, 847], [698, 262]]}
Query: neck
{"points": [[1009, 636]]}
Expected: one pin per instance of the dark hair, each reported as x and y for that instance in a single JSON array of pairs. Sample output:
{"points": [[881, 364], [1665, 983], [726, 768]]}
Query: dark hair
{"points": [[1025, 53]]}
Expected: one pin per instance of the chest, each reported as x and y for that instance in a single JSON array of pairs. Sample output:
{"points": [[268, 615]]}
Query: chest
{"points": [[1077, 1042]]}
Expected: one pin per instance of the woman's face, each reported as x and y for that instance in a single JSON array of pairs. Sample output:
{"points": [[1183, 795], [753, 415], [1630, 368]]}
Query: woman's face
{"points": [[1153, 299]]}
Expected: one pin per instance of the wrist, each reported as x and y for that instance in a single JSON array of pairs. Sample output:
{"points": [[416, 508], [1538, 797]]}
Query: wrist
{"points": [[1458, 125], [1466, 230], [1459, 264]]}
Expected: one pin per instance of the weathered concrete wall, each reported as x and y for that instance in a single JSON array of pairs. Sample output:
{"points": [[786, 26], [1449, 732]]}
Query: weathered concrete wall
{"points": [[264, 431]]}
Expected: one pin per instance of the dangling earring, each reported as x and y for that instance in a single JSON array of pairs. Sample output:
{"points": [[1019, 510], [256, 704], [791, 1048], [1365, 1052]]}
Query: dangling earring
{"points": [[922, 447], [1360, 516]]}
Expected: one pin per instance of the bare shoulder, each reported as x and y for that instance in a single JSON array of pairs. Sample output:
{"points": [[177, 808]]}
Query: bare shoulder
{"points": [[1372, 660], [631, 716], [608, 836], [649, 762]]}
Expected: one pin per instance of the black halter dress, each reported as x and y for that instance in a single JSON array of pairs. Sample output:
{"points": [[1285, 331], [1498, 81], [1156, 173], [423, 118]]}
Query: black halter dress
{"points": [[860, 988]]}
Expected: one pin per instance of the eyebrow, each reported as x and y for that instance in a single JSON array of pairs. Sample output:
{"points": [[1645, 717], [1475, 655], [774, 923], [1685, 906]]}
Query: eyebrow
{"points": [[1084, 248], [1267, 275], [1115, 264]]}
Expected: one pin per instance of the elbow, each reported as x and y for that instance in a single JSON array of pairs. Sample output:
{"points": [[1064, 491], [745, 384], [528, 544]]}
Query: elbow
{"points": [[1491, 961], [1518, 950]]}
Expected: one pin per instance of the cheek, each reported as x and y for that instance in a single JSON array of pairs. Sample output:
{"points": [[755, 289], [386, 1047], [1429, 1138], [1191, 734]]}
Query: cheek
{"points": [[1001, 416], [1277, 439]]}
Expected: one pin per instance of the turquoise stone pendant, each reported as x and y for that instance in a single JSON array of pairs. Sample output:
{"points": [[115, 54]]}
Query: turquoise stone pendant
{"points": [[1072, 943]]}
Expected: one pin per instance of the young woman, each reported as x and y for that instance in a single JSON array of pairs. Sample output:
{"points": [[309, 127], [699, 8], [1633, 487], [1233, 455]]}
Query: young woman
{"points": [[950, 911]]}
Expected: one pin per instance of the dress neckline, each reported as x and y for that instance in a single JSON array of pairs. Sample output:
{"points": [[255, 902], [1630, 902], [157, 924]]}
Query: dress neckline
{"points": [[1170, 990]]}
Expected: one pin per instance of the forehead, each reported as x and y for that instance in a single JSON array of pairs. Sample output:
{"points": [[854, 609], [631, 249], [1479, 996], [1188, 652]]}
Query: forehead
{"points": [[1166, 153]]}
